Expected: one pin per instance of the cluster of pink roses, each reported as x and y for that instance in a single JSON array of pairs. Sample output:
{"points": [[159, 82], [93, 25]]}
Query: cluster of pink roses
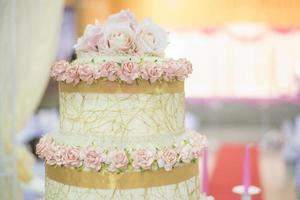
{"points": [[127, 72], [122, 34], [94, 158]]}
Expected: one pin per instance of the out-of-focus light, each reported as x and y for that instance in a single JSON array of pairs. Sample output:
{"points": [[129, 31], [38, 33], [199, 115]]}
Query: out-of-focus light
{"points": [[297, 70], [239, 60]]}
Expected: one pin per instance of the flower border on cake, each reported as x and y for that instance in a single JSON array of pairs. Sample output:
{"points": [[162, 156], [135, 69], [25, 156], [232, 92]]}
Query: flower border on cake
{"points": [[118, 160], [124, 71]]}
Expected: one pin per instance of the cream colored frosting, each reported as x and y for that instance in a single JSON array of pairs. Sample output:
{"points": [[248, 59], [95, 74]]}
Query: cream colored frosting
{"points": [[96, 58], [122, 116], [113, 142]]}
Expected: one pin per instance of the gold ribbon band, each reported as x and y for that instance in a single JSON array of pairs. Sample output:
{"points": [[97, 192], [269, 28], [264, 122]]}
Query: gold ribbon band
{"points": [[128, 180], [115, 87]]}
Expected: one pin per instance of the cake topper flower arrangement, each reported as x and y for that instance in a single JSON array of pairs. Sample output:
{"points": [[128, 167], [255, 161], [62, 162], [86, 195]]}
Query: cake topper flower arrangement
{"points": [[122, 50], [122, 34]]}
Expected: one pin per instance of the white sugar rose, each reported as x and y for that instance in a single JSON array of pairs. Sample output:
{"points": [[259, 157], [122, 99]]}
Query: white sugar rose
{"points": [[118, 38], [186, 154], [151, 39], [123, 16]]}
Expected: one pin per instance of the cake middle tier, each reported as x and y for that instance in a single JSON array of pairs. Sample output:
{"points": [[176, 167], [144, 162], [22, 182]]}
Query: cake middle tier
{"points": [[115, 110]]}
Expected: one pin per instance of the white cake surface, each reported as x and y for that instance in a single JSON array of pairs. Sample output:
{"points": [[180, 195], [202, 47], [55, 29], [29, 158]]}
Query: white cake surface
{"points": [[122, 115]]}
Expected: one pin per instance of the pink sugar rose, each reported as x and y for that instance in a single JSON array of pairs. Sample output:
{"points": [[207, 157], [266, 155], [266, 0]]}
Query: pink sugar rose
{"points": [[119, 34], [59, 155], [151, 39], [58, 70], [169, 72], [118, 39], [90, 39], [181, 73], [167, 158], [181, 69], [41, 147], [142, 158], [151, 72], [116, 36], [186, 154], [49, 154], [128, 72], [86, 73], [108, 70], [117, 160], [72, 157], [198, 142], [197, 138], [187, 65], [72, 75], [124, 16], [93, 158], [197, 150]]}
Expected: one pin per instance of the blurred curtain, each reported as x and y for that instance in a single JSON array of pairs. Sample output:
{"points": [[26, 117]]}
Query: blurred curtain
{"points": [[239, 60], [29, 31], [193, 13]]}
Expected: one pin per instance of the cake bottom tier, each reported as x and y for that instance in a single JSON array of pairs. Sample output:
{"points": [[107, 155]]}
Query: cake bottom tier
{"points": [[182, 183]]}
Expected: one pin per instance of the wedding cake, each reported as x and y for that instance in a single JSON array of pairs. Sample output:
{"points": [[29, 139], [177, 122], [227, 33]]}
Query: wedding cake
{"points": [[122, 119]]}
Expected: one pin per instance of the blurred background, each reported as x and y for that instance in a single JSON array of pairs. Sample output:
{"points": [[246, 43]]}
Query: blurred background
{"points": [[245, 87]]}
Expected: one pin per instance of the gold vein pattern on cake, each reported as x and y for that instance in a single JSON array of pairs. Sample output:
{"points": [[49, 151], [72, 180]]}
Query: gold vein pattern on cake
{"points": [[122, 114]]}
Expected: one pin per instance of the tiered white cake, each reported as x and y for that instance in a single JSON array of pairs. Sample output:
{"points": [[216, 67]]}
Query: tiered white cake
{"points": [[122, 109]]}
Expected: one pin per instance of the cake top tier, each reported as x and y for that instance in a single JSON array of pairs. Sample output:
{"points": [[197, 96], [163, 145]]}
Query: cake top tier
{"points": [[122, 50], [122, 34]]}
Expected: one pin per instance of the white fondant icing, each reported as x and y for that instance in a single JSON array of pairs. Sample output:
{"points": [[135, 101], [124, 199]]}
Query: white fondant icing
{"points": [[122, 115]]}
